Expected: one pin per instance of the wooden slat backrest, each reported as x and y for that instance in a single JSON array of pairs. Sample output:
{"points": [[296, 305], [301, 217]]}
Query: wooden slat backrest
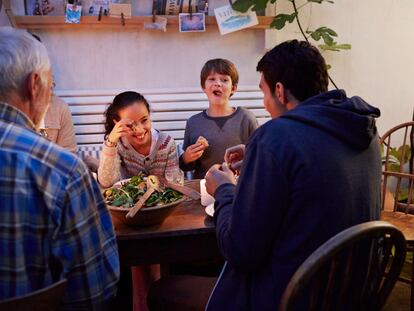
{"points": [[399, 177], [170, 109]]}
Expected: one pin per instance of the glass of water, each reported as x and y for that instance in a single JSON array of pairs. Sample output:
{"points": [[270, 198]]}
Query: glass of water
{"points": [[175, 176]]}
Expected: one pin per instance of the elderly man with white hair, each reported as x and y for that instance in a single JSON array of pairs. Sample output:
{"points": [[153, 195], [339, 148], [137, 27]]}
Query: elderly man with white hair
{"points": [[53, 221]]}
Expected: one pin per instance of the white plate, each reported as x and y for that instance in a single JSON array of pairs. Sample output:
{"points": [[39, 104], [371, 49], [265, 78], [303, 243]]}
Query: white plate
{"points": [[210, 210]]}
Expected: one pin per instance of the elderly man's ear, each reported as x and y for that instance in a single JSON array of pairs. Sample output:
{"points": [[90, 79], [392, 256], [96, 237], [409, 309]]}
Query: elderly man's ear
{"points": [[34, 85]]}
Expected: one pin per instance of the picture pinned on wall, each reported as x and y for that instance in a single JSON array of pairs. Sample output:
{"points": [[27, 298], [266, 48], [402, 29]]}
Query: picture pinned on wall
{"points": [[158, 23], [120, 9], [92, 7], [195, 22], [230, 20], [73, 14], [44, 7]]}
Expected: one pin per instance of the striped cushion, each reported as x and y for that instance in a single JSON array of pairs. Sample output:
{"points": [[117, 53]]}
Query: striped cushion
{"points": [[89, 150], [95, 150]]}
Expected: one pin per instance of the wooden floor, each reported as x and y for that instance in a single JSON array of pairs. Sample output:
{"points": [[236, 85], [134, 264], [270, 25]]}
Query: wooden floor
{"points": [[399, 299]]}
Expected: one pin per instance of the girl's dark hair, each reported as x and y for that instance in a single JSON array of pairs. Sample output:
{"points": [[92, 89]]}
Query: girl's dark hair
{"points": [[298, 65], [121, 101]]}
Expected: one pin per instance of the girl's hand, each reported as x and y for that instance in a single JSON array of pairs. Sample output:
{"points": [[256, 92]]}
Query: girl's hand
{"points": [[122, 128], [193, 152]]}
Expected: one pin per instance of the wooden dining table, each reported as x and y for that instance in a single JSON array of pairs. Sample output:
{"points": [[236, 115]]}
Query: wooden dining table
{"points": [[186, 235]]}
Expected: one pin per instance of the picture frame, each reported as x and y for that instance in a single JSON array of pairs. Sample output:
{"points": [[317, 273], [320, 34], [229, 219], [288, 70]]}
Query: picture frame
{"points": [[195, 22], [42, 7], [73, 14], [229, 20]]}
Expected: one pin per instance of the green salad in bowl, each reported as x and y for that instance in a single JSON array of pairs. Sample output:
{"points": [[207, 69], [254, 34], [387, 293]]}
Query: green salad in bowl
{"points": [[126, 193]]}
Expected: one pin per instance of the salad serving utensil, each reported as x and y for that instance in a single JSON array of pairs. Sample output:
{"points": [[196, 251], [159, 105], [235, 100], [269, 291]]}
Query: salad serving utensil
{"points": [[153, 184], [191, 193]]}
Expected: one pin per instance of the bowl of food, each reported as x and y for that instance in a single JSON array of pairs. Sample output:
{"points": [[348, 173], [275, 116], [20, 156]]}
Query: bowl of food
{"points": [[123, 196]]}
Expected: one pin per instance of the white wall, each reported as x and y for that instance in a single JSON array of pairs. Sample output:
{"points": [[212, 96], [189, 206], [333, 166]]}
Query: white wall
{"points": [[379, 67]]}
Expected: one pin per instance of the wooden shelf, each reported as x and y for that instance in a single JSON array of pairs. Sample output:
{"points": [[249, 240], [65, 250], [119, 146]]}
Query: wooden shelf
{"points": [[91, 22]]}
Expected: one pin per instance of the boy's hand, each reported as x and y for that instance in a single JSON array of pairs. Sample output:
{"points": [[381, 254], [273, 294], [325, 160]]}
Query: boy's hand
{"points": [[234, 156], [218, 175], [193, 152]]}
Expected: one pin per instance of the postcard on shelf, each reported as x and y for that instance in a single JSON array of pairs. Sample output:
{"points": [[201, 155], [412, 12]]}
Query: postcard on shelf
{"points": [[117, 9], [160, 23], [44, 7], [73, 14], [230, 20], [92, 7], [195, 22]]}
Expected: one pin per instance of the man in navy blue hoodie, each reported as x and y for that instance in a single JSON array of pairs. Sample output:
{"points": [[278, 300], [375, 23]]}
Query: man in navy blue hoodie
{"points": [[309, 173]]}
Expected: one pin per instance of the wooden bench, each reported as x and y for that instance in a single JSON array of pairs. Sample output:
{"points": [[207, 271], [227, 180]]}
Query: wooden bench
{"points": [[170, 109]]}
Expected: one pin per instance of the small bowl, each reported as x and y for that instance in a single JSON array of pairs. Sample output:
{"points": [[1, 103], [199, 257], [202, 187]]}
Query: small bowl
{"points": [[146, 216]]}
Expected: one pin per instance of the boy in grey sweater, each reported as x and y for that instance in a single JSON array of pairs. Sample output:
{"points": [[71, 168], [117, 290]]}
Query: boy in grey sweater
{"points": [[221, 125]]}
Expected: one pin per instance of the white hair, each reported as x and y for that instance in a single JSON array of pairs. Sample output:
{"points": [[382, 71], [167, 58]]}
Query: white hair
{"points": [[20, 55]]}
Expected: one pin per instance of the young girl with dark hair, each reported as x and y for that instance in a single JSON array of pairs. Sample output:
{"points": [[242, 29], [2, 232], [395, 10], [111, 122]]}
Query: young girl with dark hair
{"points": [[131, 144]]}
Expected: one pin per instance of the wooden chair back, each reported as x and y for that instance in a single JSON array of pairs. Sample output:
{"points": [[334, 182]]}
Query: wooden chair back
{"points": [[398, 173], [354, 270], [45, 299]]}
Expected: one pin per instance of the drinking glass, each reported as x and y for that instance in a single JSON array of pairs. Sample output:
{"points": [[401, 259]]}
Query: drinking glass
{"points": [[175, 176]]}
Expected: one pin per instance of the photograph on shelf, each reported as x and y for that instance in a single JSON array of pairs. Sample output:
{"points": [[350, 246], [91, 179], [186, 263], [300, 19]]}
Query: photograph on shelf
{"points": [[230, 20], [117, 9], [159, 23], [195, 22], [73, 14], [92, 7], [45, 7]]}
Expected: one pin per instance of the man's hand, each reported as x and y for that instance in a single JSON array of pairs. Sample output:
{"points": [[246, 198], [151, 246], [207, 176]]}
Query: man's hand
{"points": [[234, 156], [193, 152], [218, 175]]}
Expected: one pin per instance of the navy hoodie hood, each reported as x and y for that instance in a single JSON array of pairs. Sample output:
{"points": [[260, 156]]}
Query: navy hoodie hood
{"points": [[351, 120]]}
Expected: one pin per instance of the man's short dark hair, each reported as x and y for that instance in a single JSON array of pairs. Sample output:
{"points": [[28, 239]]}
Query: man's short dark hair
{"points": [[298, 65]]}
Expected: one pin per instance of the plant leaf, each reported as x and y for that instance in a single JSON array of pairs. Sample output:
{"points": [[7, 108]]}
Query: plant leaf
{"points": [[407, 153], [259, 5], [328, 39], [280, 20], [242, 5], [344, 46], [320, 1], [334, 47]]}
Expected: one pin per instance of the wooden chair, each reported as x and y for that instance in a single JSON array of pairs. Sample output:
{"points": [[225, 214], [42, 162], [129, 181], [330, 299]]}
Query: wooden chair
{"points": [[354, 270], [45, 299], [398, 180], [401, 173]]}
